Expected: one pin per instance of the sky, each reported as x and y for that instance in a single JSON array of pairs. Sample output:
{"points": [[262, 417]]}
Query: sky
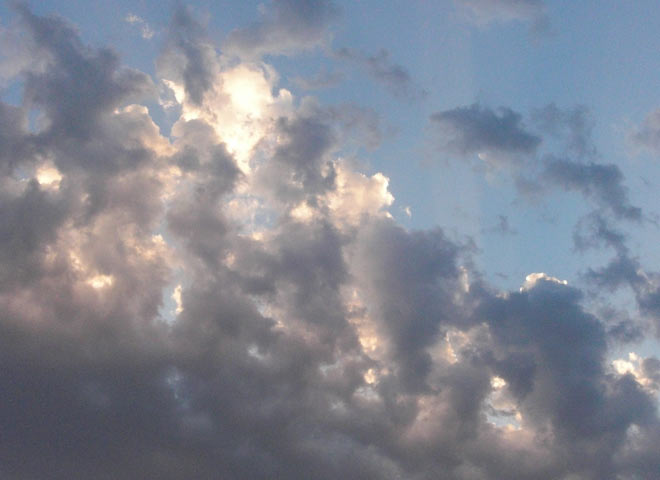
{"points": [[299, 239]]}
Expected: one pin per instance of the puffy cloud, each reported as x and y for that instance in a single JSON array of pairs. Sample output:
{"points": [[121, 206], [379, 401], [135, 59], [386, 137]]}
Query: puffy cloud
{"points": [[78, 87], [189, 58], [309, 335]]}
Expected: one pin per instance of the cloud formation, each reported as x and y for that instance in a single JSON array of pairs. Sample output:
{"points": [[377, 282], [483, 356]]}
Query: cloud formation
{"points": [[603, 182], [499, 134], [313, 336]]}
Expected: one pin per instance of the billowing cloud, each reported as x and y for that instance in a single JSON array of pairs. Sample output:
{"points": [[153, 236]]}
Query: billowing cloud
{"points": [[188, 58], [311, 336]]}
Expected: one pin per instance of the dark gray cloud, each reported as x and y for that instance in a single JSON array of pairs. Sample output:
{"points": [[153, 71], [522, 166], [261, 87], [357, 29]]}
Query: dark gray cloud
{"points": [[80, 84], [601, 182], [565, 382], [475, 129], [394, 77], [189, 57], [300, 346], [16, 146], [303, 151], [287, 26], [426, 270]]}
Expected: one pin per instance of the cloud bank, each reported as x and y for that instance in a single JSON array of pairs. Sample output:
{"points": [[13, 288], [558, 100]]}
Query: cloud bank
{"points": [[308, 334]]}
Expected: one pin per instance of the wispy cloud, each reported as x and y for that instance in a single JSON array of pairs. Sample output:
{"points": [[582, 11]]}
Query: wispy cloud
{"points": [[145, 30], [285, 26], [393, 76]]}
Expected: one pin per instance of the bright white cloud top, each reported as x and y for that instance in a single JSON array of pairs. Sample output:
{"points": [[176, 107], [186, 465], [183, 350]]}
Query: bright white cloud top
{"points": [[204, 272]]}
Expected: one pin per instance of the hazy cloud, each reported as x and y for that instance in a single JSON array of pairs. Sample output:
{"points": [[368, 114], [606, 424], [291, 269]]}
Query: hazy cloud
{"points": [[502, 227], [575, 125], [322, 79], [145, 30], [486, 11], [394, 77], [286, 26], [647, 135]]}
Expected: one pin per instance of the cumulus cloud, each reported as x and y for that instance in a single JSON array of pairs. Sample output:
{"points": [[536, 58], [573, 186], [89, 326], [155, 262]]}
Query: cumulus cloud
{"points": [[285, 26], [188, 58], [311, 335]]}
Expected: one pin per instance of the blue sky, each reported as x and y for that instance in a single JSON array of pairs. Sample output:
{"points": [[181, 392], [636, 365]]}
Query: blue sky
{"points": [[321, 239]]}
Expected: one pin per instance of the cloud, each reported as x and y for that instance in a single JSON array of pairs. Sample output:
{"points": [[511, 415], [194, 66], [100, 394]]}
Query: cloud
{"points": [[320, 80], [647, 135], [487, 11], [575, 125], [80, 84], [145, 30], [602, 182], [595, 229], [503, 227], [188, 57], [499, 134], [312, 336], [393, 76], [286, 26]]}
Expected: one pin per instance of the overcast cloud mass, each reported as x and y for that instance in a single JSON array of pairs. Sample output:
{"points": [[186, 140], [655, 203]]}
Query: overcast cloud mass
{"points": [[205, 273]]}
